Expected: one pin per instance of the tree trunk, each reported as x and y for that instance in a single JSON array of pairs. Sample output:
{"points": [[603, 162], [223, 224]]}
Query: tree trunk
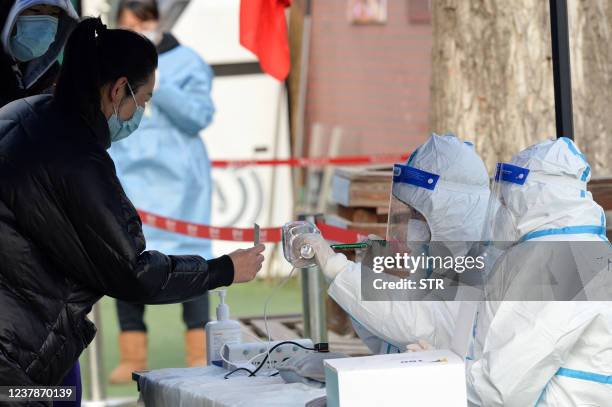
{"points": [[591, 59], [492, 75]]}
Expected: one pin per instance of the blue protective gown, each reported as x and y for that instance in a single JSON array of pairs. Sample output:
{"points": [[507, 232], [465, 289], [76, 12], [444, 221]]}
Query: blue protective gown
{"points": [[164, 166]]}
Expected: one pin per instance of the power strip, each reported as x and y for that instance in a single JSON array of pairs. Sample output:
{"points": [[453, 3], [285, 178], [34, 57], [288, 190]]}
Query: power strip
{"points": [[239, 354]]}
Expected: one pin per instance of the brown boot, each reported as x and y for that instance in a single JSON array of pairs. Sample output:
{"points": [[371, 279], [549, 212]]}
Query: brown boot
{"points": [[195, 346], [132, 356]]}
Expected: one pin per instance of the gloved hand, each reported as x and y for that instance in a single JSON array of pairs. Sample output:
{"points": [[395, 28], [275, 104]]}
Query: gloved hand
{"points": [[420, 346], [331, 263], [360, 253], [307, 368]]}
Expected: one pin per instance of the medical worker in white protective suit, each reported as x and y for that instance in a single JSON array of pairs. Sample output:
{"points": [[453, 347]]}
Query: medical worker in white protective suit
{"points": [[444, 192], [544, 353]]}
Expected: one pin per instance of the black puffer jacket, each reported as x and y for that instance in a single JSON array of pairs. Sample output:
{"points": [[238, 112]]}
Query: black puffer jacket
{"points": [[68, 236]]}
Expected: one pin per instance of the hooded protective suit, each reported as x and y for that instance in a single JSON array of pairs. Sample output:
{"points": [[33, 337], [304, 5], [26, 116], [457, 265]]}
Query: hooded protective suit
{"points": [[543, 352], [37, 75], [454, 211]]}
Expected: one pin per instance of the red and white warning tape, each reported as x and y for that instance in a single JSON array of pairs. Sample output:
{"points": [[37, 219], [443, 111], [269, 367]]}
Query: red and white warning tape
{"points": [[270, 235], [266, 235], [320, 161], [209, 232]]}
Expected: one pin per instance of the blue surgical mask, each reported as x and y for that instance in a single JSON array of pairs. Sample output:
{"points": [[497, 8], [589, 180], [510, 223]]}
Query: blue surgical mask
{"points": [[120, 129], [33, 37]]}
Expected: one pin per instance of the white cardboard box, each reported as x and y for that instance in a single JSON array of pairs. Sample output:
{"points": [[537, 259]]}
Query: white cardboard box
{"points": [[424, 379], [433, 378]]}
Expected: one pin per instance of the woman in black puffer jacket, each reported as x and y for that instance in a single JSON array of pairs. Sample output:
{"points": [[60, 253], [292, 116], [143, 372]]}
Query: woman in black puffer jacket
{"points": [[68, 233]]}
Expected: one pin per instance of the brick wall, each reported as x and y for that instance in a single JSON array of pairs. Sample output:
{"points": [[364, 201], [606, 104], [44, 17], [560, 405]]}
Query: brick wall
{"points": [[372, 80]]}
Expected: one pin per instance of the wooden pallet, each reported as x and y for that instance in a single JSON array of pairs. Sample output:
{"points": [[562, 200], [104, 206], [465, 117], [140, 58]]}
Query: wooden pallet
{"points": [[287, 327], [378, 229], [363, 215], [361, 195], [362, 186]]}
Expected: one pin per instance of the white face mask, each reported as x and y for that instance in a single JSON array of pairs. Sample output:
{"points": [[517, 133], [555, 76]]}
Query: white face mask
{"points": [[417, 231], [505, 229]]}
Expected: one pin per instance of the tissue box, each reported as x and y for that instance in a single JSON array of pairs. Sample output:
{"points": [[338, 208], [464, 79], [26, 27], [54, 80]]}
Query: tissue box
{"points": [[431, 378]]}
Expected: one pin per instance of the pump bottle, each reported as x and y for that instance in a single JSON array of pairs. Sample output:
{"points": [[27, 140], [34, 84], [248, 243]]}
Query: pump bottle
{"points": [[220, 332]]}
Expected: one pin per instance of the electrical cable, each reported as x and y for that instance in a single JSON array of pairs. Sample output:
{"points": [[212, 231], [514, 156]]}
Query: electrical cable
{"points": [[237, 370], [268, 349], [274, 347], [282, 283], [261, 365]]}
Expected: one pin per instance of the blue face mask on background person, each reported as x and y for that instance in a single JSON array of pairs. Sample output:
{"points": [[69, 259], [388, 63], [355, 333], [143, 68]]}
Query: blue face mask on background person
{"points": [[33, 37], [120, 129]]}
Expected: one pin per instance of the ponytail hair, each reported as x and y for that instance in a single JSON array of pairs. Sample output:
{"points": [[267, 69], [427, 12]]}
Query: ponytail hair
{"points": [[95, 56]]}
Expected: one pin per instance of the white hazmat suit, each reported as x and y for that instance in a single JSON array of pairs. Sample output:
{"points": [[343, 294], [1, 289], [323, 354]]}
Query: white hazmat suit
{"points": [[545, 353], [454, 209]]}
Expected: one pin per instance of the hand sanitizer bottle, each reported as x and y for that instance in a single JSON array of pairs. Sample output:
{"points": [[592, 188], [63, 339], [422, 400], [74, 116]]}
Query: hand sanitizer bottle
{"points": [[220, 332]]}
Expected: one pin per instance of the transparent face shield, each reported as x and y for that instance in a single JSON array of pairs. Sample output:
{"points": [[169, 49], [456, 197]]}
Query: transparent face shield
{"points": [[500, 226], [548, 271], [406, 224]]}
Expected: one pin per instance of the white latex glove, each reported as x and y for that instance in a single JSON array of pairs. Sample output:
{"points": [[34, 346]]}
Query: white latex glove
{"points": [[420, 346], [360, 253], [330, 262]]}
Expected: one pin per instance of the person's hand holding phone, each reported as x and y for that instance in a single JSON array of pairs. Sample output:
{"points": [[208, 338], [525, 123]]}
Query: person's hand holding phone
{"points": [[247, 263]]}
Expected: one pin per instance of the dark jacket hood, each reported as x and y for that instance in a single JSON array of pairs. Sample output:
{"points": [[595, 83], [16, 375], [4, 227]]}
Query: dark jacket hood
{"points": [[167, 43]]}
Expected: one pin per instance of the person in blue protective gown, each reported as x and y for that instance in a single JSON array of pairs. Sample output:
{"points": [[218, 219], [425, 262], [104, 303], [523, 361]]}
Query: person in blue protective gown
{"points": [[165, 169]]}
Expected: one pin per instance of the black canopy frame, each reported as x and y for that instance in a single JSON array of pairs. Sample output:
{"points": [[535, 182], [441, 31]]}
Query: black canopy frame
{"points": [[562, 73]]}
